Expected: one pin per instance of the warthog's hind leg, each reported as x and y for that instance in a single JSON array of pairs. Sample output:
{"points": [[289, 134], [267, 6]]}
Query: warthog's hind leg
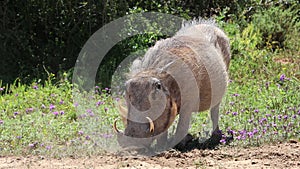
{"points": [[216, 136]]}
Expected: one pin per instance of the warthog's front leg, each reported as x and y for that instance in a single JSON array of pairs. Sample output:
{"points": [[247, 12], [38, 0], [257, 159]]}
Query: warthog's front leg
{"points": [[162, 141], [182, 128]]}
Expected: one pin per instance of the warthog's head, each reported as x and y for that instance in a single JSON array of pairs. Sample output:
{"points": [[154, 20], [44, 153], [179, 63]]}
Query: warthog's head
{"points": [[152, 104]]}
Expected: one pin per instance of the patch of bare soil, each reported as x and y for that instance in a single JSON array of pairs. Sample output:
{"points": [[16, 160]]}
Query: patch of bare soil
{"points": [[282, 155]]}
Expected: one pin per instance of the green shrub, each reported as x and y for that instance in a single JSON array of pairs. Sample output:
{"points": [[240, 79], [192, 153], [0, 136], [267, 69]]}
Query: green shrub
{"points": [[277, 25]]}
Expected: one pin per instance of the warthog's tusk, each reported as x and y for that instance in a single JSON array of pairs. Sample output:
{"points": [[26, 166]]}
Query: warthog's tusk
{"points": [[151, 129], [115, 127]]}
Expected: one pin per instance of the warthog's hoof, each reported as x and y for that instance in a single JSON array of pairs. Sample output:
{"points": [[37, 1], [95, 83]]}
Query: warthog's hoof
{"points": [[212, 142], [190, 143]]}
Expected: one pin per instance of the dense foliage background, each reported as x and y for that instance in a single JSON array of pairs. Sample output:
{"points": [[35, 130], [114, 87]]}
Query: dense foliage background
{"points": [[38, 37]]}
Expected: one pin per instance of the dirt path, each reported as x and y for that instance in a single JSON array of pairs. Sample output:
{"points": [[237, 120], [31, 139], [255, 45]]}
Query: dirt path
{"points": [[285, 155]]}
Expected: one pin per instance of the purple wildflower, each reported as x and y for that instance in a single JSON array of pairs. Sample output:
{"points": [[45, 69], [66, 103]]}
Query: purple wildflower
{"points": [[256, 111], [250, 134], [107, 135], [80, 132], [99, 103], [28, 110], [62, 112], [284, 127], [35, 87], [223, 141], [1, 122], [75, 104], [243, 134], [91, 114], [48, 147], [16, 113], [264, 131], [82, 116], [234, 113], [1, 88], [274, 124], [285, 117], [250, 120], [268, 115], [107, 89], [236, 95], [227, 112], [31, 145], [298, 112], [55, 113], [19, 137], [255, 131], [105, 109], [294, 116], [231, 132], [117, 99], [231, 103], [87, 137], [96, 87], [61, 102], [262, 120], [51, 107], [279, 117], [282, 77]]}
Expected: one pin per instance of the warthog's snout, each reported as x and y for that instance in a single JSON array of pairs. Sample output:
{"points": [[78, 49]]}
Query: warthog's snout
{"points": [[150, 109]]}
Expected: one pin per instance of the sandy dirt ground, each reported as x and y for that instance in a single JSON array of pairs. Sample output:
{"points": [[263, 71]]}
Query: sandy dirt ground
{"points": [[281, 155]]}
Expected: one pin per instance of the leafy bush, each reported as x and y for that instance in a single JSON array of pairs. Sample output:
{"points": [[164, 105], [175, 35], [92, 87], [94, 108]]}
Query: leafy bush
{"points": [[277, 24]]}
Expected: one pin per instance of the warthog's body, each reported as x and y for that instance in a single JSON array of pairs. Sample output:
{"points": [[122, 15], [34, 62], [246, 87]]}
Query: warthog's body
{"points": [[179, 75]]}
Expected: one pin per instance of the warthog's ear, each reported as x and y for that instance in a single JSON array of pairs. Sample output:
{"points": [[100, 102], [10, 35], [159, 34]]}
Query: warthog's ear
{"points": [[165, 68], [123, 112], [173, 113]]}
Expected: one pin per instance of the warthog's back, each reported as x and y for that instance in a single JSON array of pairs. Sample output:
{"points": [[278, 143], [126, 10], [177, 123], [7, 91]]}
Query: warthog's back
{"points": [[204, 48]]}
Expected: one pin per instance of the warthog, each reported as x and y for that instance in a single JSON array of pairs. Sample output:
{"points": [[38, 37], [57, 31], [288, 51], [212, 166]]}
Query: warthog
{"points": [[179, 75]]}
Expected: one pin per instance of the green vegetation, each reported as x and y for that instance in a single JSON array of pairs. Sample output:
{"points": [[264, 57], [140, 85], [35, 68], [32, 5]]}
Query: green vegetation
{"points": [[262, 104]]}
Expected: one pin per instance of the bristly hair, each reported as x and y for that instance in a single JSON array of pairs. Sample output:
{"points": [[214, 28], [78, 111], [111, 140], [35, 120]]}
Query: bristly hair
{"points": [[196, 21]]}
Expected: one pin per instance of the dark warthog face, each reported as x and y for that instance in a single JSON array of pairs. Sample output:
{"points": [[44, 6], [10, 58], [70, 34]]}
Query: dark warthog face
{"points": [[151, 108]]}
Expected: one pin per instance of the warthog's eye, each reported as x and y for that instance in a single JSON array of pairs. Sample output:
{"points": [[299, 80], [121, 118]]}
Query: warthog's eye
{"points": [[157, 85]]}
